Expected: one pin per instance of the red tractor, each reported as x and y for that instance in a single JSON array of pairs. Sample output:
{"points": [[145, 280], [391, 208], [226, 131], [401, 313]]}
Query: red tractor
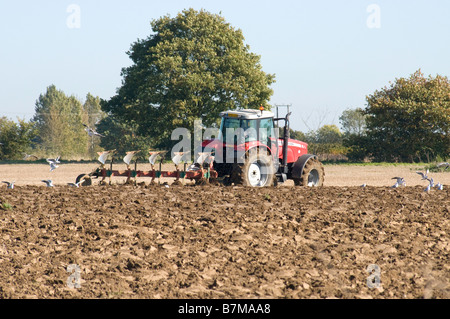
{"points": [[249, 152]]}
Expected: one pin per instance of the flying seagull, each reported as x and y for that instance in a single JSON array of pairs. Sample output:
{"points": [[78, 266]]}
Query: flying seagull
{"points": [[53, 162], [431, 182], [447, 165], [53, 165], [92, 132], [48, 182], [424, 176], [10, 185], [27, 156]]}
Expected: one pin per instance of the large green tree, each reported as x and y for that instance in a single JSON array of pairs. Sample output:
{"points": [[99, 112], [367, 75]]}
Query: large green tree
{"points": [[59, 122], [15, 138], [410, 119], [192, 67]]}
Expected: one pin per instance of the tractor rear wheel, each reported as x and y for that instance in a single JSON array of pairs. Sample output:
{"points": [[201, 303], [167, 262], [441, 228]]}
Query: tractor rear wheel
{"points": [[84, 179], [257, 171], [313, 174]]}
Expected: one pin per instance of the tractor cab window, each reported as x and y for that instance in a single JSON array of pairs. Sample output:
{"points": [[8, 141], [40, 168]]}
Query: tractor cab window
{"points": [[266, 131], [229, 125], [237, 127], [250, 130]]}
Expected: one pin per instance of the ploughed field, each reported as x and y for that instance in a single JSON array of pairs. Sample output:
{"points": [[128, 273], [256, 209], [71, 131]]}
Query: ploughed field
{"points": [[152, 241]]}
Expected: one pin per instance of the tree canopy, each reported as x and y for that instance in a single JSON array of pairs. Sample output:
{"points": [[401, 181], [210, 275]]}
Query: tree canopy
{"points": [[410, 119], [59, 120], [15, 138], [353, 121], [192, 67]]}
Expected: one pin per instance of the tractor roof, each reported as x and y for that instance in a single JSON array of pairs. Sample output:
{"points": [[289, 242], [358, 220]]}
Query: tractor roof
{"points": [[249, 114]]}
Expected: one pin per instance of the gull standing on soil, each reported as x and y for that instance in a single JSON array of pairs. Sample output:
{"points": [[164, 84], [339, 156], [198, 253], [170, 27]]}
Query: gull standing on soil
{"points": [[439, 186], [49, 182], [10, 185], [400, 181], [74, 184], [428, 189]]}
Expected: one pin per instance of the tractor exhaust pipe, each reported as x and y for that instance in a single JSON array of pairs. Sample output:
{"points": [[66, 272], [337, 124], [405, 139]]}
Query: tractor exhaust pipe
{"points": [[286, 138]]}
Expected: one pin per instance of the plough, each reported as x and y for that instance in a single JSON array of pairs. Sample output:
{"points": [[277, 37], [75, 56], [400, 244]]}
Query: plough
{"points": [[201, 171]]}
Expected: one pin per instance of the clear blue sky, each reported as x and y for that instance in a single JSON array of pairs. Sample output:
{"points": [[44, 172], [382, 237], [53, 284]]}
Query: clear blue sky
{"points": [[324, 55]]}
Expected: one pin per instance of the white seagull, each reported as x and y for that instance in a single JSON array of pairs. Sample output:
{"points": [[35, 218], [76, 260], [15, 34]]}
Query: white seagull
{"points": [[10, 185], [53, 166], [74, 184], [428, 188], [439, 186], [91, 132], [400, 181], [397, 185], [27, 156], [447, 165], [53, 162], [49, 182], [424, 176]]}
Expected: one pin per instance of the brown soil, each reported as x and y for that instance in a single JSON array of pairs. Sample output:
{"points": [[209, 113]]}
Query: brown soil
{"points": [[210, 241]]}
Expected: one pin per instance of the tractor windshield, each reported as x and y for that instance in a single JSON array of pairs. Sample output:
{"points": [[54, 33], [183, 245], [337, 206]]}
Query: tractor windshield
{"points": [[236, 127]]}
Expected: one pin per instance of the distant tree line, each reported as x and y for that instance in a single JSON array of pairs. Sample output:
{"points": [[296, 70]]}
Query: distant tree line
{"points": [[406, 122]]}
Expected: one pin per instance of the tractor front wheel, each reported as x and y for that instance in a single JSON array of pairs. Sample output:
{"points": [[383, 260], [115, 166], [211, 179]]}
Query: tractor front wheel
{"points": [[313, 174], [257, 171]]}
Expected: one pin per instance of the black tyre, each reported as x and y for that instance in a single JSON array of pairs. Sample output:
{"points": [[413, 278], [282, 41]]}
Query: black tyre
{"points": [[84, 179], [313, 175], [257, 171]]}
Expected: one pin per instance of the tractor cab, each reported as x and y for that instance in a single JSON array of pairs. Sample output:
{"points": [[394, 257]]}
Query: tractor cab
{"points": [[245, 129]]}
